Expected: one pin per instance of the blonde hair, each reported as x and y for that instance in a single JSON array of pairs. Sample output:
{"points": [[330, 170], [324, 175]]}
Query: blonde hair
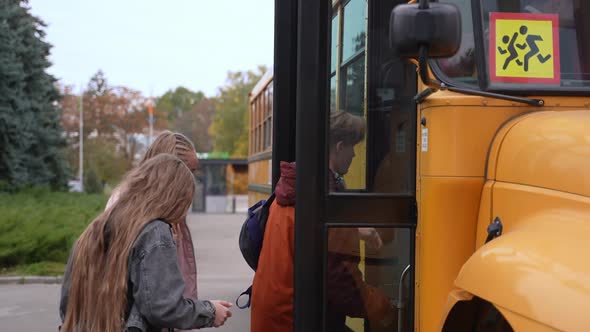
{"points": [[173, 143], [346, 127], [97, 301]]}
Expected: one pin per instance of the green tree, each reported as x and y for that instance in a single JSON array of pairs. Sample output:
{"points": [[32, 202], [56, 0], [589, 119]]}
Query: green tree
{"points": [[229, 129], [175, 103], [105, 159], [189, 113], [92, 183], [195, 124], [31, 142]]}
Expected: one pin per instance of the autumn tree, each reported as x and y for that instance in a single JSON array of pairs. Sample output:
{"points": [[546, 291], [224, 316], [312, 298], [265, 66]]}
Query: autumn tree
{"points": [[229, 129], [97, 117], [128, 120], [115, 124], [31, 143]]}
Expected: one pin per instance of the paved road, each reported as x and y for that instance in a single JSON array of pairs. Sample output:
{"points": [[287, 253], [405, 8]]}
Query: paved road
{"points": [[222, 274]]}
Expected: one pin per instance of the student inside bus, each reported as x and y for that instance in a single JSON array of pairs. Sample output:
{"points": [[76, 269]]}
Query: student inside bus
{"points": [[347, 293]]}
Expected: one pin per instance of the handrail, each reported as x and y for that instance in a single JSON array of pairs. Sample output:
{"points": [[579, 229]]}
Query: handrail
{"points": [[400, 303]]}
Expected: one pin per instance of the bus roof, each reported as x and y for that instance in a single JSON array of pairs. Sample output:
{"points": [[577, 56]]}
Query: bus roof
{"points": [[266, 78]]}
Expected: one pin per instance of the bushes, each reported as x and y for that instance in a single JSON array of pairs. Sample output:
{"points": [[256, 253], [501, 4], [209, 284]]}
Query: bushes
{"points": [[92, 183], [38, 225]]}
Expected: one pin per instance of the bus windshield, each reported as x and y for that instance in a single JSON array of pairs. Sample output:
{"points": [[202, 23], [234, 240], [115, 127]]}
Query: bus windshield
{"points": [[541, 43]]}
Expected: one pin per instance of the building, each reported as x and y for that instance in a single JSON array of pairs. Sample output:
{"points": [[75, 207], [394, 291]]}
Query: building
{"points": [[221, 184]]}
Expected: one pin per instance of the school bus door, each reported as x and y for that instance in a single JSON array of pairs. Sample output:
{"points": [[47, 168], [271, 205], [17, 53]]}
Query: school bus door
{"points": [[340, 278]]}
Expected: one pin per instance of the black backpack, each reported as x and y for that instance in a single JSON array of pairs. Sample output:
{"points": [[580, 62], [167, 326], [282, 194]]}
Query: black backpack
{"points": [[251, 237]]}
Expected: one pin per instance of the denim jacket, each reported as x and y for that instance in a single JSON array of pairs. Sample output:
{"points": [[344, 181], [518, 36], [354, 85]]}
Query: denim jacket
{"points": [[155, 286]]}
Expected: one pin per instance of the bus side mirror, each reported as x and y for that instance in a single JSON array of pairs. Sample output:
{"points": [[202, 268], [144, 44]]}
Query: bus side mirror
{"points": [[437, 27]]}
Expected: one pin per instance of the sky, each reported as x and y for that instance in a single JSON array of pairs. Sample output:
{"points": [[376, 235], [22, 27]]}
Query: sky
{"points": [[156, 45]]}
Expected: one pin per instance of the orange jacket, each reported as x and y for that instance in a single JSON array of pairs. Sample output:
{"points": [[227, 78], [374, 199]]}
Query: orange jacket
{"points": [[272, 289]]}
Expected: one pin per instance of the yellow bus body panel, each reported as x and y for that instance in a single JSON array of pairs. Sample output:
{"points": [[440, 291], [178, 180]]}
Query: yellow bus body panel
{"points": [[455, 202], [539, 184], [445, 227], [259, 180], [548, 150], [537, 269]]}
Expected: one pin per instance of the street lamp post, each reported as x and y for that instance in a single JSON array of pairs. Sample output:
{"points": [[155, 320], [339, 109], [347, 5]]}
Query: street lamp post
{"points": [[81, 135], [151, 120]]}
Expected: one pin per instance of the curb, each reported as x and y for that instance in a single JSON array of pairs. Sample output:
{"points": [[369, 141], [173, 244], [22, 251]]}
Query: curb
{"points": [[23, 280]]}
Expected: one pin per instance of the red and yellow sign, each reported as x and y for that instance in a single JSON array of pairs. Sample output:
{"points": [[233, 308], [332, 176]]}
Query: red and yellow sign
{"points": [[524, 48]]}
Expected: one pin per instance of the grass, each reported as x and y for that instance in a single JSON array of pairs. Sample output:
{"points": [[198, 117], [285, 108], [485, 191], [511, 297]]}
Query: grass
{"points": [[38, 228], [35, 269]]}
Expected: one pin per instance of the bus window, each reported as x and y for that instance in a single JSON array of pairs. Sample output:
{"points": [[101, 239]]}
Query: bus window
{"points": [[375, 88], [352, 67], [347, 92], [366, 284], [334, 49], [462, 67], [572, 60], [347, 66]]}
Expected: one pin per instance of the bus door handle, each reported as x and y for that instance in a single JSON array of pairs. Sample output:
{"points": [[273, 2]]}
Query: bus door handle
{"points": [[400, 304]]}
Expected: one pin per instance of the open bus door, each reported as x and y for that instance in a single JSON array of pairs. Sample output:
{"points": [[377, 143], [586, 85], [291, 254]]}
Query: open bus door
{"points": [[330, 57]]}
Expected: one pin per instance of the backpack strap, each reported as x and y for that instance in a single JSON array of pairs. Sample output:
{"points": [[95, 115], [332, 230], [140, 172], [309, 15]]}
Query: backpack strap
{"points": [[255, 206], [247, 292], [270, 199]]}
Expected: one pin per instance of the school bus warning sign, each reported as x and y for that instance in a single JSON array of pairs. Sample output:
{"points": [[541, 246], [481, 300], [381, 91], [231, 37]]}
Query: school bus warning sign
{"points": [[524, 48]]}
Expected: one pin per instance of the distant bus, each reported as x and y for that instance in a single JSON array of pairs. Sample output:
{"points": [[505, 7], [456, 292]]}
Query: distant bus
{"points": [[260, 139]]}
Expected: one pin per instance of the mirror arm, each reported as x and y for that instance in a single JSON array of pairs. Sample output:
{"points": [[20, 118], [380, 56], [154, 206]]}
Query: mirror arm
{"points": [[423, 4], [419, 98], [423, 68]]}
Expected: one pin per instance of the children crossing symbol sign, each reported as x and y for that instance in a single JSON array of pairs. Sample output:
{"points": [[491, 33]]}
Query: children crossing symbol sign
{"points": [[524, 48]]}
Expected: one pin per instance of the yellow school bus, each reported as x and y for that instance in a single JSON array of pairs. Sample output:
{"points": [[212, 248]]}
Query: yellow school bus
{"points": [[474, 167], [260, 139]]}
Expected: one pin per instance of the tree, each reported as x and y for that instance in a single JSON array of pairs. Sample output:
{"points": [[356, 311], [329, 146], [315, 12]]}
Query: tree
{"points": [[189, 113], [230, 124], [175, 103], [104, 160], [195, 124], [128, 119], [31, 142], [92, 183], [97, 115], [115, 120]]}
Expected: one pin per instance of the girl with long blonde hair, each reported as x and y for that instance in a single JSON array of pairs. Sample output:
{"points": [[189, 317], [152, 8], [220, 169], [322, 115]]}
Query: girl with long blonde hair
{"points": [[123, 274], [180, 146]]}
